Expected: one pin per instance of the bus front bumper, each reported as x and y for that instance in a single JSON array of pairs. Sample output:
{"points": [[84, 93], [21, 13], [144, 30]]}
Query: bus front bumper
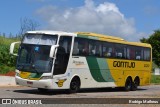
{"points": [[46, 83]]}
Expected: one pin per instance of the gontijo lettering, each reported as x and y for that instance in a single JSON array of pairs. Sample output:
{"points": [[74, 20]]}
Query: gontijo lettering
{"points": [[124, 64]]}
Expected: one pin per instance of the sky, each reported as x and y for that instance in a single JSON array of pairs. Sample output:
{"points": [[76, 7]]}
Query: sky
{"points": [[128, 19]]}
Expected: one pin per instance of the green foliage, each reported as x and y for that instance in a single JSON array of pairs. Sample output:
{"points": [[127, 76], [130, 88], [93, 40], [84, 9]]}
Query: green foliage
{"points": [[155, 79], [7, 61], [4, 69], [7, 41], [144, 40], [5, 57], [154, 40]]}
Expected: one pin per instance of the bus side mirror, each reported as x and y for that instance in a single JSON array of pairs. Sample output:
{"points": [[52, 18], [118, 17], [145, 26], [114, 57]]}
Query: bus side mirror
{"points": [[12, 48], [52, 51]]}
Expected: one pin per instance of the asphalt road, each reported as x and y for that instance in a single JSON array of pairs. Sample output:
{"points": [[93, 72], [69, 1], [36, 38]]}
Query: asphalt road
{"points": [[152, 91]]}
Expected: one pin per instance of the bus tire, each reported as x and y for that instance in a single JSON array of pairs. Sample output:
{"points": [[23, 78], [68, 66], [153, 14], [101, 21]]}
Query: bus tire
{"points": [[134, 87], [135, 84], [74, 85], [128, 84]]}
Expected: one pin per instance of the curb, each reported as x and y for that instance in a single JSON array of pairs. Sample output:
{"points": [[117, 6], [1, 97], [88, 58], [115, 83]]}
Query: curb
{"points": [[7, 81]]}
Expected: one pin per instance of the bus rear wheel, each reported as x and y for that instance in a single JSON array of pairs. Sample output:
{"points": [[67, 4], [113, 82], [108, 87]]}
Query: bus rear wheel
{"points": [[74, 85], [128, 84], [135, 84]]}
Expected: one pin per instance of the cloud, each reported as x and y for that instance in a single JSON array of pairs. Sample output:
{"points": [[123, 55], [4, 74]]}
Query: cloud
{"points": [[104, 18]]}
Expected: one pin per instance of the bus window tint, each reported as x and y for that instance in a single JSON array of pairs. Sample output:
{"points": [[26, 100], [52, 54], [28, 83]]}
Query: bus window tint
{"points": [[125, 52], [80, 47], [138, 53], [65, 43], [134, 53], [130, 52], [92, 48], [89, 47], [147, 54], [107, 50], [95, 48], [75, 48], [98, 49], [62, 56], [119, 51]]}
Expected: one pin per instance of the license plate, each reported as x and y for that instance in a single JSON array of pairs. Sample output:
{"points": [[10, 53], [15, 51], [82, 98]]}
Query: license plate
{"points": [[28, 82]]}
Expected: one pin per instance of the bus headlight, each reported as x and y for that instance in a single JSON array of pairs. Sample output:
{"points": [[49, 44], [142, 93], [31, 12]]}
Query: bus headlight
{"points": [[46, 77]]}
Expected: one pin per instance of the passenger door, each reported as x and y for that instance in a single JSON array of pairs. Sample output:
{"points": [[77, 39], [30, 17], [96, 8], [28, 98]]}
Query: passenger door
{"points": [[62, 56]]}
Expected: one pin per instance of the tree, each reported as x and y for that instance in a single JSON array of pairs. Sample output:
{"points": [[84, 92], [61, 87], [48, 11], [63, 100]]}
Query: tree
{"points": [[144, 40], [27, 25], [154, 40]]}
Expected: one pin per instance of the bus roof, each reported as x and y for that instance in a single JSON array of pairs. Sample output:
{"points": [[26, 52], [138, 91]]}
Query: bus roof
{"points": [[110, 39], [91, 36], [99, 36], [49, 32]]}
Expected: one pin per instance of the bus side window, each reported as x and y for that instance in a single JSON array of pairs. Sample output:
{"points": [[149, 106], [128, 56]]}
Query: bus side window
{"points": [[139, 53], [75, 48], [85, 48], [138, 57], [147, 54], [98, 52], [107, 50], [80, 47], [92, 48], [130, 52], [119, 50], [95, 48], [110, 52]]}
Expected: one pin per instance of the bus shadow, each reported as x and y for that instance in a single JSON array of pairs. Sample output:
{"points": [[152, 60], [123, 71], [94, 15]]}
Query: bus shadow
{"points": [[36, 92], [107, 90], [63, 92]]}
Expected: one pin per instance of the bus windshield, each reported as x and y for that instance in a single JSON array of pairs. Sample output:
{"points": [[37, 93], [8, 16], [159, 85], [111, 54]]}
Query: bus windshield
{"points": [[33, 54]]}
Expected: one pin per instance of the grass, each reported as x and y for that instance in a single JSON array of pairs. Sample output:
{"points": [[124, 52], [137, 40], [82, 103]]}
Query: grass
{"points": [[155, 79]]}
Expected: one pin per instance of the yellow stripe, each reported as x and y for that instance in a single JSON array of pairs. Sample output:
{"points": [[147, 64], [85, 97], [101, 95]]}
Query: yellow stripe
{"points": [[24, 75]]}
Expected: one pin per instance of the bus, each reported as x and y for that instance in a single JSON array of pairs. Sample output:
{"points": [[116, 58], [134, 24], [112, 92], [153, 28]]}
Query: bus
{"points": [[74, 61]]}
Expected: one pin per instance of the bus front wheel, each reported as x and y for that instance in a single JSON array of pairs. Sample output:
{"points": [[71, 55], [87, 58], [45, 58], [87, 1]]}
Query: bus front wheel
{"points": [[74, 85]]}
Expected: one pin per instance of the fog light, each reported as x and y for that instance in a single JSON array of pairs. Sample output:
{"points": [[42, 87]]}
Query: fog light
{"points": [[17, 74]]}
